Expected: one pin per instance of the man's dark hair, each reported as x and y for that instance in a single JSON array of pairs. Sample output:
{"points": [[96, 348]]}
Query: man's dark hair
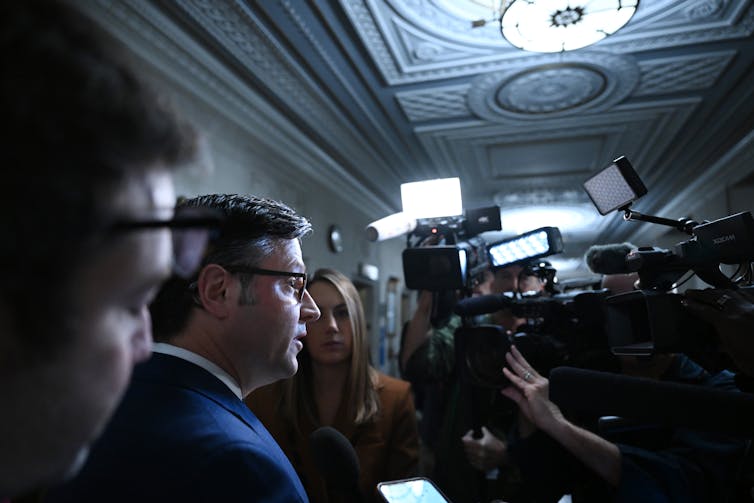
{"points": [[252, 227], [77, 122]]}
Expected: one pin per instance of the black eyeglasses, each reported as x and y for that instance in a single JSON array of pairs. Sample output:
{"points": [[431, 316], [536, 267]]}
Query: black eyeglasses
{"points": [[300, 277], [192, 230]]}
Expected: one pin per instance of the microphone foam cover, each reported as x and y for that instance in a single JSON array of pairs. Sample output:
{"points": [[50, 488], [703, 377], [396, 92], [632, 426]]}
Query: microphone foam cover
{"points": [[608, 259], [335, 458]]}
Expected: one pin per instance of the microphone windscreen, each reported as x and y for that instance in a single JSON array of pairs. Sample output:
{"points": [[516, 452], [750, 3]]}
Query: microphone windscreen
{"points": [[608, 259], [335, 457], [482, 304], [656, 402]]}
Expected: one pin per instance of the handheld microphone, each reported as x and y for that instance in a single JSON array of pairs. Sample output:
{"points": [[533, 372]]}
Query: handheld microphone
{"points": [[482, 304], [608, 259], [390, 226], [656, 402], [337, 462]]}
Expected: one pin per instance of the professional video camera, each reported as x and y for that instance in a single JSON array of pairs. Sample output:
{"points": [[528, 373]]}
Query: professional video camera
{"points": [[459, 265], [446, 253], [653, 319], [561, 328], [444, 250]]}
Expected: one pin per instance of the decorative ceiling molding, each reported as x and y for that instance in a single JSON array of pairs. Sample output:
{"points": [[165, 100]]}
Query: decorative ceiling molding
{"points": [[391, 30], [166, 47], [564, 84], [658, 76], [444, 102], [364, 104], [238, 30], [374, 21], [682, 73], [425, 52], [641, 131], [365, 94]]}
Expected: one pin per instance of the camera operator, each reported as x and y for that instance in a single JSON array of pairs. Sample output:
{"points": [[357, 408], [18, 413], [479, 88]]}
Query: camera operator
{"points": [[428, 360], [731, 312], [637, 462]]}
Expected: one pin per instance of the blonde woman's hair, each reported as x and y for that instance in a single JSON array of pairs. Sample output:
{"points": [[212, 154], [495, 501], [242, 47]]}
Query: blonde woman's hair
{"points": [[361, 392]]}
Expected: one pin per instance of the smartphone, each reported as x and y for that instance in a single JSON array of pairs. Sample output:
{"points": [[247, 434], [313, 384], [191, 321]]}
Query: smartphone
{"points": [[413, 490]]}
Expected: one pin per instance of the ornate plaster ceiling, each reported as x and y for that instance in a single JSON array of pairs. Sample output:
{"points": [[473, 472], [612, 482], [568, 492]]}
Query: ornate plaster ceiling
{"points": [[394, 91]]}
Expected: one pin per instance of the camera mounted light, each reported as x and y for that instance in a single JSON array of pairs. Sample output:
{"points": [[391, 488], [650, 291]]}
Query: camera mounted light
{"points": [[432, 198], [538, 243], [617, 186]]}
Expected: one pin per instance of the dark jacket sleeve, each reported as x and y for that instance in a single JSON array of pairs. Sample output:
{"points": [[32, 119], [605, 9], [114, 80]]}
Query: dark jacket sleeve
{"points": [[693, 466], [435, 359], [548, 471]]}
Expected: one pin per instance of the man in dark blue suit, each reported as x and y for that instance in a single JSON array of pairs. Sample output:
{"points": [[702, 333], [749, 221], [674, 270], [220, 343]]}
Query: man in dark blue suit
{"points": [[183, 432]]}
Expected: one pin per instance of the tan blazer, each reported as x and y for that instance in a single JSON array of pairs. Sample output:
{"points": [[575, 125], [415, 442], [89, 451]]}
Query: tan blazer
{"points": [[387, 448]]}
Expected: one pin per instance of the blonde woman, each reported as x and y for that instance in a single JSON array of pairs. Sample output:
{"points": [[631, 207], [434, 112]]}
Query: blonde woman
{"points": [[336, 386]]}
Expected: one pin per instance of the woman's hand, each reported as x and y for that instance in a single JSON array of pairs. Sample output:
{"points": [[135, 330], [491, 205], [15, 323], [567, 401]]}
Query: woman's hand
{"points": [[530, 391]]}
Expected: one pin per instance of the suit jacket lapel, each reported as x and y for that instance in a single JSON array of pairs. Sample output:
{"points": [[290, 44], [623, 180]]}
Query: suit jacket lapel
{"points": [[178, 372]]}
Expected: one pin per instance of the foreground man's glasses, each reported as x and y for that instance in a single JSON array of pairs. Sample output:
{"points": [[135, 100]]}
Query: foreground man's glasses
{"points": [[192, 229]]}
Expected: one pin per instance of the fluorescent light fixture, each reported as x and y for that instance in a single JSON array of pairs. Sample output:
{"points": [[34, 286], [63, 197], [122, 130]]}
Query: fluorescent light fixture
{"points": [[432, 198], [537, 243]]}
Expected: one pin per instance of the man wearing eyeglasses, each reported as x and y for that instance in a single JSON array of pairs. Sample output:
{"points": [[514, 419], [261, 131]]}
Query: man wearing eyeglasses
{"points": [[88, 152], [183, 432]]}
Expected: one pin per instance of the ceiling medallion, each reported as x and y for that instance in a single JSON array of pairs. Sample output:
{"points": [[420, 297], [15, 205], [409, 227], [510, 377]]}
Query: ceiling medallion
{"points": [[559, 25], [551, 89], [554, 85]]}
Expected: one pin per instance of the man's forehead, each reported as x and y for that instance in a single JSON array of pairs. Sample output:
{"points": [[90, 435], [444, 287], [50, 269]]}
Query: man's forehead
{"points": [[286, 253]]}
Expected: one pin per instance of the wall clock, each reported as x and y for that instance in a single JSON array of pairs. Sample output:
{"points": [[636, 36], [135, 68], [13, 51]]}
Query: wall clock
{"points": [[335, 239]]}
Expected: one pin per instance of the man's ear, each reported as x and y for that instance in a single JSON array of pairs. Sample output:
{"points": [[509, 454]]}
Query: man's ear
{"points": [[212, 290]]}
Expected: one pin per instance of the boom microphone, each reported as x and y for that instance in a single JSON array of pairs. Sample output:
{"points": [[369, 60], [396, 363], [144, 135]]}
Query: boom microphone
{"points": [[482, 304], [337, 462], [656, 402], [608, 259]]}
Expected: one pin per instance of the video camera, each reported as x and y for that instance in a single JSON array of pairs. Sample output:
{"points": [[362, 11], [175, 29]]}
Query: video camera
{"points": [[459, 265], [561, 328], [653, 319], [445, 251]]}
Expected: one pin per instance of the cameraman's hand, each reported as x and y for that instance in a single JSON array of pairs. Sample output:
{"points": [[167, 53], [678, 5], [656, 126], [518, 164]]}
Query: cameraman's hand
{"points": [[731, 312], [530, 391], [485, 453], [424, 303]]}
